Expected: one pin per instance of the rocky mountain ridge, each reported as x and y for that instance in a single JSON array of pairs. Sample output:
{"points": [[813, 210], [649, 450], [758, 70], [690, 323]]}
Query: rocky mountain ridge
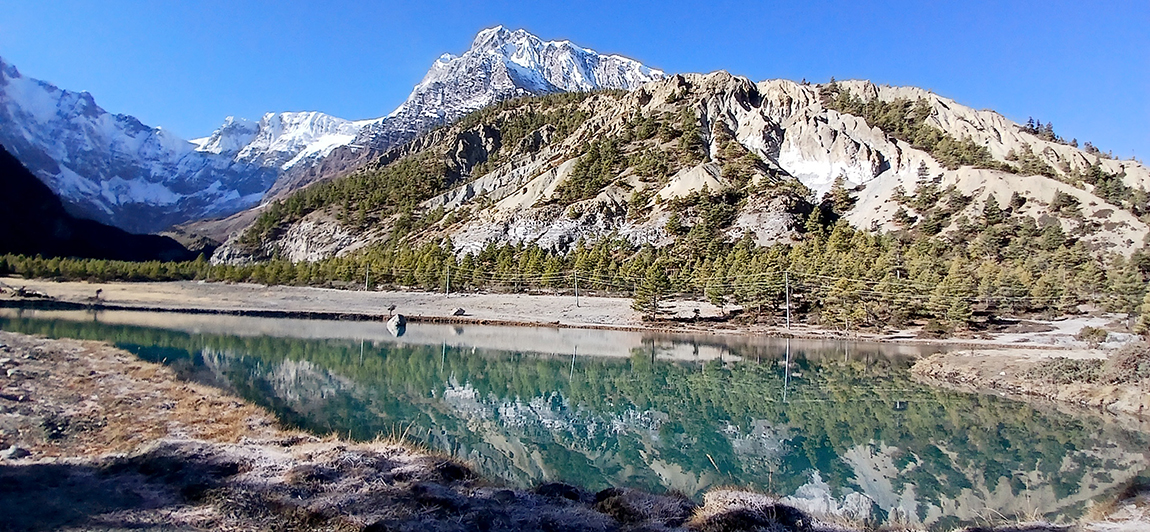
{"points": [[781, 145], [112, 168], [501, 64]]}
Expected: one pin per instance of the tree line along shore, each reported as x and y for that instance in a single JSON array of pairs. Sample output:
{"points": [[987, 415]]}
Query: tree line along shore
{"points": [[837, 277]]}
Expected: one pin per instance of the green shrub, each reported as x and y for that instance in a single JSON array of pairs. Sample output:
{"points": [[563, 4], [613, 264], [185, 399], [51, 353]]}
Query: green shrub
{"points": [[1093, 336], [1063, 370]]}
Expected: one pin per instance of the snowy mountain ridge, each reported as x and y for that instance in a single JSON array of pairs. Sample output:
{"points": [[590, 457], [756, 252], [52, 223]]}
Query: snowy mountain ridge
{"points": [[114, 169], [111, 167], [501, 64], [281, 140]]}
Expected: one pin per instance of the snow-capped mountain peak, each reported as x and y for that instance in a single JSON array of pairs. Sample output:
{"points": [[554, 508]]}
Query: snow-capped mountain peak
{"points": [[502, 64], [230, 138], [538, 66], [281, 140], [115, 169]]}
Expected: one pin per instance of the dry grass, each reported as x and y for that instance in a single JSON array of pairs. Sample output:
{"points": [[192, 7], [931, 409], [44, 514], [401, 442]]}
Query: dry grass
{"points": [[89, 399], [1136, 492], [1128, 365]]}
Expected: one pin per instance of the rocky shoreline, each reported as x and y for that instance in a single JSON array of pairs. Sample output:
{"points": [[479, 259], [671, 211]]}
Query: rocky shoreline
{"points": [[1006, 373]]}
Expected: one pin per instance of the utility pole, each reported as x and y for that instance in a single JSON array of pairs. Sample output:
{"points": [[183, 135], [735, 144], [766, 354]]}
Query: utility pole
{"points": [[787, 371], [576, 288], [447, 289], [787, 281], [366, 276]]}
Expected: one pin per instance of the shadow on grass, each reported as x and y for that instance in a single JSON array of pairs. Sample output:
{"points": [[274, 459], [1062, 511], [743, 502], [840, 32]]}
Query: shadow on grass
{"points": [[52, 496]]}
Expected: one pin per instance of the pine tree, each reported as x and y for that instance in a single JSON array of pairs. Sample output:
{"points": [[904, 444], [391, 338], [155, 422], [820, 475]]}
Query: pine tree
{"points": [[951, 297], [1126, 287], [814, 225], [1143, 325], [652, 291], [841, 200], [691, 141], [923, 174], [991, 213]]}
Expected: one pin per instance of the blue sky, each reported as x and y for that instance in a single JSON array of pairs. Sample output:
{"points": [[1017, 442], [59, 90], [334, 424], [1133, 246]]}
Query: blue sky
{"points": [[187, 65]]}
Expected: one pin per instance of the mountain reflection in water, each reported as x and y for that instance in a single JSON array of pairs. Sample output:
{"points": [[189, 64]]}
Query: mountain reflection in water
{"points": [[836, 426]]}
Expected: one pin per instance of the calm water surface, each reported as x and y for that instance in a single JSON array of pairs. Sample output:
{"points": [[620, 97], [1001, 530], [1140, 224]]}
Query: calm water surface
{"points": [[832, 425]]}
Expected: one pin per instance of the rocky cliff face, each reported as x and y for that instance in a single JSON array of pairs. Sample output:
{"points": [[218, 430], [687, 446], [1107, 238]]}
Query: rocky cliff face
{"points": [[778, 142]]}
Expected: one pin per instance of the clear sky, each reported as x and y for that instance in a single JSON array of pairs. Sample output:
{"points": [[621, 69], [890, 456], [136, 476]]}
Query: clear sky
{"points": [[184, 65]]}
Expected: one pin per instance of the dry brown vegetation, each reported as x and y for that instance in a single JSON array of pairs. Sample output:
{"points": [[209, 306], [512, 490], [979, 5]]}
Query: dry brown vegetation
{"points": [[1128, 365], [73, 398]]}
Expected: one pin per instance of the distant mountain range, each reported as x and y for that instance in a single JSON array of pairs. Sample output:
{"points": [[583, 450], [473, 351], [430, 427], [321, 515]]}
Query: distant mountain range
{"points": [[112, 168], [534, 171]]}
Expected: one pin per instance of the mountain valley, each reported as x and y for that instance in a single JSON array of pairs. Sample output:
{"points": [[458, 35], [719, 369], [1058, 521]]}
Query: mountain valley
{"points": [[527, 163]]}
